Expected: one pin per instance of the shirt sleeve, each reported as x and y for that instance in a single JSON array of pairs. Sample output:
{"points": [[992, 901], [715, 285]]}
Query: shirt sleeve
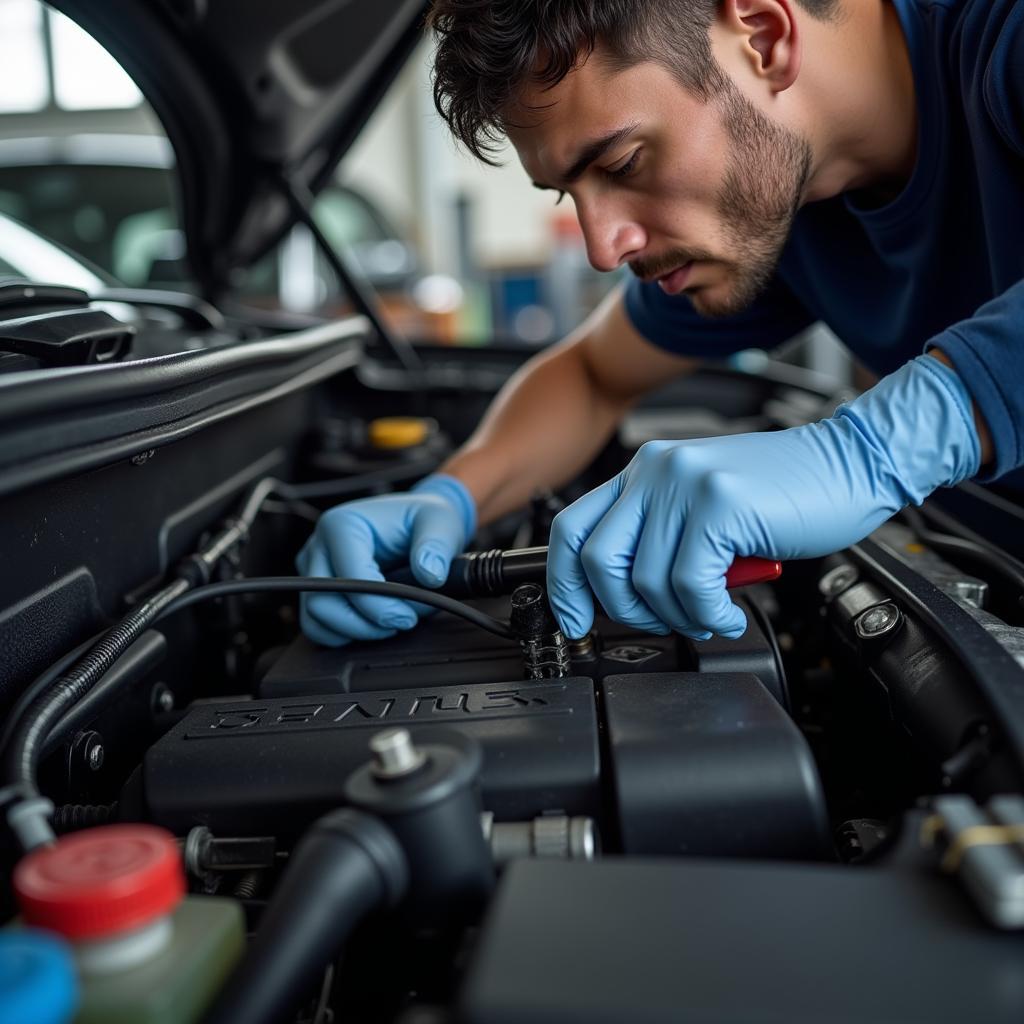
{"points": [[988, 353], [672, 323], [1003, 82]]}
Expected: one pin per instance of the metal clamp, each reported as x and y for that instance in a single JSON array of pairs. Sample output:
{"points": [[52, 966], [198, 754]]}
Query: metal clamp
{"points": [[985, 847]]}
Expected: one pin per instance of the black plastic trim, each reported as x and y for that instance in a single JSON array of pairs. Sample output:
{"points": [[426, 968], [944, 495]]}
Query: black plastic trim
{"points": [[67, 421]]}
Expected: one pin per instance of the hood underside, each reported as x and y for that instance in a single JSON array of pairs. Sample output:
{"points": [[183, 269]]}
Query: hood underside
{"points": [[249, 93]]}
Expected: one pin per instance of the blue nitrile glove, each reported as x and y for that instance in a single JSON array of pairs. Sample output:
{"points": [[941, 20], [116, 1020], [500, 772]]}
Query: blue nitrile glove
{"points": [[428, 526], [653, 544]]}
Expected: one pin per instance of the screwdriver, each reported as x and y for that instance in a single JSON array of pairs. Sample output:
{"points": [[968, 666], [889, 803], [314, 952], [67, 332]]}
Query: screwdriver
{"points": [[497, 572]]}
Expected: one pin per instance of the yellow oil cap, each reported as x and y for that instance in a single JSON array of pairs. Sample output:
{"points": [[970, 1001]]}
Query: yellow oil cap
{"points": [[399, 432]]}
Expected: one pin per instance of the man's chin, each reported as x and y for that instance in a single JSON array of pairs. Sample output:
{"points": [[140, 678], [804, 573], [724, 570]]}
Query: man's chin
{"points": [[731, 295]]}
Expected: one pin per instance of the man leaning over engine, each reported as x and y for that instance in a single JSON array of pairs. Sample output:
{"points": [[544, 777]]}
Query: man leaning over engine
{"points": [[759, 165]]}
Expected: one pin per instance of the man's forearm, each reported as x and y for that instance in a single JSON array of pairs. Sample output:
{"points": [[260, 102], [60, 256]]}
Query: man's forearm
{"points": [[545, 425]]}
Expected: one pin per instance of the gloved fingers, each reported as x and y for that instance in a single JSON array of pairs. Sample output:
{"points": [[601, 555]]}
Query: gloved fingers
{"points": [[652, 567], [437, 537], [698, 579], [309, 627], [335, 613], [608, 559], [568, 589], [351, 551], [314, 631]]}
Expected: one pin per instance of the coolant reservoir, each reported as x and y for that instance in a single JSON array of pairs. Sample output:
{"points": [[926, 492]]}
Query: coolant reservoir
{"points": [[145, 952]]}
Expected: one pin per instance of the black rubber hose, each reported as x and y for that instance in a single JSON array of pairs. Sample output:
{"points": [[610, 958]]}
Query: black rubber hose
{"points": [[45, 712], [73, 817], [346, 866]]}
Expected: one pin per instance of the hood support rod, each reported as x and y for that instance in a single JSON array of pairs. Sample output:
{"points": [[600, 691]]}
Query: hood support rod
{"points": [[301, 201]]}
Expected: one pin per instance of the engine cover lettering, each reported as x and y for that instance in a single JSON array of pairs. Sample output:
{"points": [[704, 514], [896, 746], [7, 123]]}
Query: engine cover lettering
{"points": [[370, 710]]}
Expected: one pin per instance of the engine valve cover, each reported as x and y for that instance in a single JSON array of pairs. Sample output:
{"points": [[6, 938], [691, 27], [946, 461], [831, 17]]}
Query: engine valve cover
{"points": [[270, 767]]}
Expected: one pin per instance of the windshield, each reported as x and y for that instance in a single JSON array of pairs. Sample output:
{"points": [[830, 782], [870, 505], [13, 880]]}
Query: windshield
{"points": [[23, 253]]}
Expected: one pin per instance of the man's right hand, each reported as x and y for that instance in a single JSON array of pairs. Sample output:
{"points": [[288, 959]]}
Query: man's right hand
{"points": [[428, 527]]}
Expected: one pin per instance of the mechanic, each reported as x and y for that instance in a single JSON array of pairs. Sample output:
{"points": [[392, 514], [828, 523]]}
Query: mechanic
{"points": [[759, 165]]}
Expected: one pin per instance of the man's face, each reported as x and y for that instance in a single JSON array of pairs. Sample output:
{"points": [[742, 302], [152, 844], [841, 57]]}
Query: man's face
{"points": [[699, 196]]}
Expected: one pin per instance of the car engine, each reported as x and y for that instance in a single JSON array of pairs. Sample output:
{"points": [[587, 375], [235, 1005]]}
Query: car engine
{"points": [[478, 820]]}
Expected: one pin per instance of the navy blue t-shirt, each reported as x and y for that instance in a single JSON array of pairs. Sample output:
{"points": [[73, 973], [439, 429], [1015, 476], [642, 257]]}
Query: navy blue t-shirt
{"points": [[942, 265]]}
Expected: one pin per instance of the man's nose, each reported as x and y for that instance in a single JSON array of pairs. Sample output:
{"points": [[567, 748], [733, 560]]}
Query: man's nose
{"points": [[611, 236]]}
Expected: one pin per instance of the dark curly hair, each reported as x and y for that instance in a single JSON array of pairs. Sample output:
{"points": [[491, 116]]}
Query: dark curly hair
{"points": [[488, 49]]}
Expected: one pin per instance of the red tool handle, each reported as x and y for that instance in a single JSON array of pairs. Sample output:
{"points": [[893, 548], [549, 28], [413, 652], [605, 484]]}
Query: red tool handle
{"points": [[745, 571]]}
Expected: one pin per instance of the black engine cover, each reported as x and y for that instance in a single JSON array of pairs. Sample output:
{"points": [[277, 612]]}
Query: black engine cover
{"points": [[271, 767], [670, 762]]}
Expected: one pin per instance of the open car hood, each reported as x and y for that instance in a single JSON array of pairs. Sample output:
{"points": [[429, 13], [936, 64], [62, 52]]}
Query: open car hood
{"points": [[249, 93]]}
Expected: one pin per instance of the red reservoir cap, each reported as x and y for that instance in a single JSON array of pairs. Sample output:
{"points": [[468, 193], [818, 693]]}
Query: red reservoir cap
{"points": [[101, 881]]}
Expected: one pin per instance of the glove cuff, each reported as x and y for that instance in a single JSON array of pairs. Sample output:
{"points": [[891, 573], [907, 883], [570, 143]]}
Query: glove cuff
{"points": [[922, 417], [454, 491]]}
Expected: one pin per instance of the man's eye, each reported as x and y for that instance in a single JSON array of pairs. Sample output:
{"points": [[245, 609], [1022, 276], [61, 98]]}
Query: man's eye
{"points": [[627, 168]]}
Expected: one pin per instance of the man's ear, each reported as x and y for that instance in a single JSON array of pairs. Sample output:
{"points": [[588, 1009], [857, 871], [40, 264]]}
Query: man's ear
{"points": [[769, 32]]}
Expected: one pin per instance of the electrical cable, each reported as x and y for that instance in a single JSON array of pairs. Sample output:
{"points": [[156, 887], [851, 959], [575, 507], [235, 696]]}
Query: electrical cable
{"points": [[262, 584]]}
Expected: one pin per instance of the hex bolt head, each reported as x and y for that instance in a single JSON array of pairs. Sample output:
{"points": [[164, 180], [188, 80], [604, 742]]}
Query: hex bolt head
{"points": [[394, 754], [836, 580], [162, 698], [877, 621]]}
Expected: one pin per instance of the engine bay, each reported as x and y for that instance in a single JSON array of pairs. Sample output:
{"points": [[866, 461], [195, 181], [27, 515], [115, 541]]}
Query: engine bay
{"points": [[633, 828]]}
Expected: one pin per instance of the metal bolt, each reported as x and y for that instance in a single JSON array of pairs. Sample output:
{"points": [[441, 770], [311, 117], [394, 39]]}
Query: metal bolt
{"points": [[877, 621], [85, 753], [549, 836], [197, 842], [836, 580], [394, 754], [584, 649], [162, 698], [583, 840]]}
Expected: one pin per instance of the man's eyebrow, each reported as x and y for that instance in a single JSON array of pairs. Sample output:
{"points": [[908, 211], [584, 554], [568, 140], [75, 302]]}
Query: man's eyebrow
{"points": [[592, 151]]}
